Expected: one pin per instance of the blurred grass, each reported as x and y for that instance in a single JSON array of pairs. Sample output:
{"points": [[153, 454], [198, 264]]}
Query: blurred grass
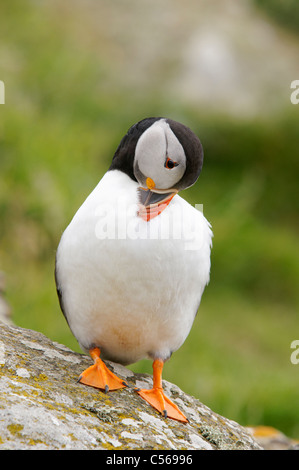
{"points": [[284, 12], [59, 129]]}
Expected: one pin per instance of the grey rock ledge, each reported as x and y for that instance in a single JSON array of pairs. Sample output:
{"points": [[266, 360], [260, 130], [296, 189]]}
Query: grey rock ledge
{"points": [[43, 407]]}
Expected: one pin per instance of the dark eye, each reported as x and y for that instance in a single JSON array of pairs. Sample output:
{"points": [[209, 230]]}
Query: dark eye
{"points": [[169, 164]]}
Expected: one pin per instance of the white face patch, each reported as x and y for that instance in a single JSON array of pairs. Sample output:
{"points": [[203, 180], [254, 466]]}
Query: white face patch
{"points": [[157, 144]]}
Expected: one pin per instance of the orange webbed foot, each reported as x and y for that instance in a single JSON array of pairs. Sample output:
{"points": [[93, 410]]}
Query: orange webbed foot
{"points": [[157, 398], [99, 376]]}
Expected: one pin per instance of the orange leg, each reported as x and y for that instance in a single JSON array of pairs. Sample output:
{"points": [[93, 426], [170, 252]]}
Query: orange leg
{"points": [[157, 398], [99, 376]]}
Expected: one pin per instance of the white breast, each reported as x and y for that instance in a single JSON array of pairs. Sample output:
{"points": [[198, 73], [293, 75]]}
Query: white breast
{"points": [[132, 287]]}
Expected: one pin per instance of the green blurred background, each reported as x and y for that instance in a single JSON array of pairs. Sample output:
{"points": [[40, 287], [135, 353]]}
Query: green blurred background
{"points": [[77, 75]]}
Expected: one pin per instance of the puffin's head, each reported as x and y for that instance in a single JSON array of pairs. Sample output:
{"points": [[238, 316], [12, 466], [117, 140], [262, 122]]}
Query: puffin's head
{"points": [[163, 156]]}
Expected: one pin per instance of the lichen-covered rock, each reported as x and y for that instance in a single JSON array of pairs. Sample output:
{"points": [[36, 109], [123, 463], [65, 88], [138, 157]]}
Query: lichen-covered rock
{"points": [[42, 406]]}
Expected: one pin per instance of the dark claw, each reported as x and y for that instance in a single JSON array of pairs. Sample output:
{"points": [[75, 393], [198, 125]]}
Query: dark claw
{"points": [[125, 384], [106, 388], [165, 413], [79, 378]]}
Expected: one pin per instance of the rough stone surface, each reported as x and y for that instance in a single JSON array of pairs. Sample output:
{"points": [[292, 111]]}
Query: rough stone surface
{"points": [[42, 406]]}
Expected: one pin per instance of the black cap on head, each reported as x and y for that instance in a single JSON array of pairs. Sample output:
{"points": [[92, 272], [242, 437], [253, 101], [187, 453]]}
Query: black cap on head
{"points": [[123, 159], [193, 151], [124, 156]]}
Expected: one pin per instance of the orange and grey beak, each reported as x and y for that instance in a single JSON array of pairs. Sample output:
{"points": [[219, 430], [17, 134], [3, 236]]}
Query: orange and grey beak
{"points": [[153, 201]]}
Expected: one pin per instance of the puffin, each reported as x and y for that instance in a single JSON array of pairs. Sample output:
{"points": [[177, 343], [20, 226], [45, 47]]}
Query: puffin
{"points": [[132, 265]]}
